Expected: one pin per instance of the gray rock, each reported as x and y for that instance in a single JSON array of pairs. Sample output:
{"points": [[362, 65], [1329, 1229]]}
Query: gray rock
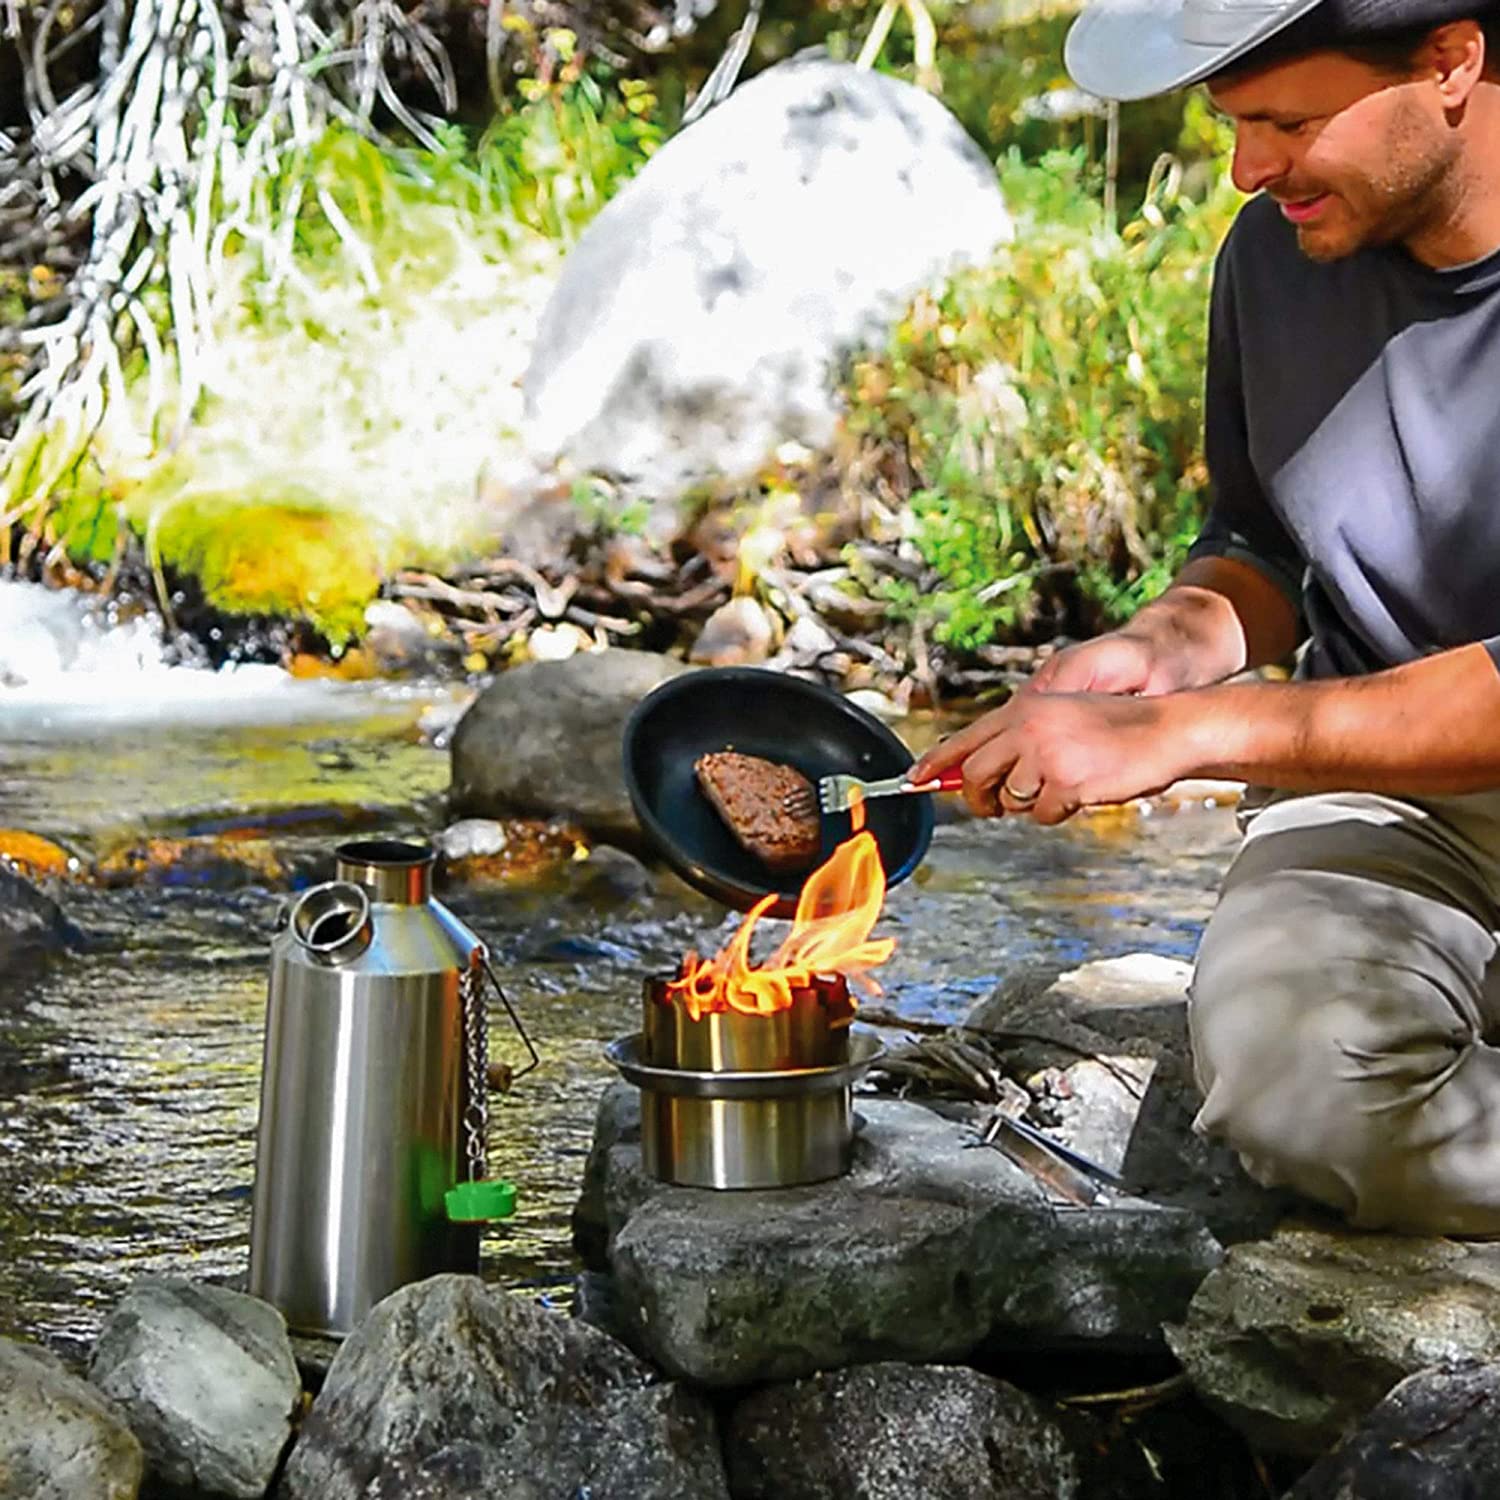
{"points": [[1434, 1437], [925, 1251], [895, 1432], [470, 837], [450, 1389], [1136, 1003], [617, 1124], [544, 739], [661, 1443], [60, 1439], [608, 878], [654, 1444], [1132, 1007], [207, 1381], [737, 634], [698, 323], [596, 1302], [31, 923], [1294, 1339], [398, 638]]}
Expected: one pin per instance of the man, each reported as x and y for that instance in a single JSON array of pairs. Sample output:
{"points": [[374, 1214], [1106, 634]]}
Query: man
{"points": [[1347, 987]]}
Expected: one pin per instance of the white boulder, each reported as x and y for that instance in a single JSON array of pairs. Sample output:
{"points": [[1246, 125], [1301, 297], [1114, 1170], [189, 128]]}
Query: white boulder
{"points": [[698, 323]]}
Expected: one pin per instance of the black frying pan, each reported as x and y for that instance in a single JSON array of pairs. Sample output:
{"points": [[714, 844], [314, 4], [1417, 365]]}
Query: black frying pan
{"points": [[778, 718]]}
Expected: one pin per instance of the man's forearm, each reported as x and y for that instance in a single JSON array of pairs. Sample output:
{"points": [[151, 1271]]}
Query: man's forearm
{"points": [[1218, 618], [1430, 727]]}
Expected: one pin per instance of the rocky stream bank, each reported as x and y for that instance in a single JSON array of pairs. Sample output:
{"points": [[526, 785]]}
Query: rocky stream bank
{"points": [[933, 1324], [936, 1323]]}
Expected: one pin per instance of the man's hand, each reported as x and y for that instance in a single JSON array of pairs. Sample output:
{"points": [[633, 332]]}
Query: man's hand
{"points": [[1050, 754], [1115, 663], [1217, 618], [1422, 729], [1114, 718]]}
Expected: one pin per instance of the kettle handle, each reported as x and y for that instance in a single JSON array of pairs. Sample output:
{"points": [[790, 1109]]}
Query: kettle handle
{"points": [[500, 1076], [478, 1199]]}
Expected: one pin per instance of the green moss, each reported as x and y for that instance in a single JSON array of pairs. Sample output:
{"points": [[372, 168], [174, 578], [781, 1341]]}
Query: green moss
{"points": [[287, 556]]}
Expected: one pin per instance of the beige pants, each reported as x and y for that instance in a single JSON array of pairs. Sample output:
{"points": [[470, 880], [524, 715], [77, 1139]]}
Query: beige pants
{"points": [[1346, 1002]]}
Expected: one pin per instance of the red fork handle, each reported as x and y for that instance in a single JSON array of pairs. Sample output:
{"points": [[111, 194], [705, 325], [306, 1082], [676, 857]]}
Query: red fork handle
{"points": [[951, 780]]}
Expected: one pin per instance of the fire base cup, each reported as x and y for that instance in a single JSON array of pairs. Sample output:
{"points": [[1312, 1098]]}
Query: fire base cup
{"points": [[698, 1129], [746, 1143]]}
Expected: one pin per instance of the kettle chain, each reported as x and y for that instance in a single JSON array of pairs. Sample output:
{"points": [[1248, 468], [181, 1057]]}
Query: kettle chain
{"points": [[476, 1118]]}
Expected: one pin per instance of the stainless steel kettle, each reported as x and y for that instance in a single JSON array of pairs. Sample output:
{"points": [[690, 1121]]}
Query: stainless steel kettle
{"points": [[370, 1166]]}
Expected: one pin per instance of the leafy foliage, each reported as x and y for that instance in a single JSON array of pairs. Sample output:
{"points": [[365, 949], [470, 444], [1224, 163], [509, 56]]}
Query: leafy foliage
{"points": [[544, 165], [348, 308], [370, 315], [1050, 407]]}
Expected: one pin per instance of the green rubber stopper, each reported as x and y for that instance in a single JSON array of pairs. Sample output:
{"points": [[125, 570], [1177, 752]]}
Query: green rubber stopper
{"points": [[480, 1202]]}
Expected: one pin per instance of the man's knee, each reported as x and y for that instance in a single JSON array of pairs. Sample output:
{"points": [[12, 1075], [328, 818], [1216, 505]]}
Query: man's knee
{"points": [[1267, 1075], [1337, 1016], [1332, 1074]]}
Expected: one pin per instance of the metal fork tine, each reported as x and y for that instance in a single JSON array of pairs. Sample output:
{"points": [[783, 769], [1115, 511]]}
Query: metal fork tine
{"points": [[833, 793], [800, 803], [837, 793]]}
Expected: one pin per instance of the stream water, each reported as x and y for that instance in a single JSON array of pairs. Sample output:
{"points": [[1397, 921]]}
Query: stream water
{"points": [[129, 1071]]}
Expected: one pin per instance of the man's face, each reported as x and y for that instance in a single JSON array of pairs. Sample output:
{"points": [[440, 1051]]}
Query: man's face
{"points": [[1354, 156]]}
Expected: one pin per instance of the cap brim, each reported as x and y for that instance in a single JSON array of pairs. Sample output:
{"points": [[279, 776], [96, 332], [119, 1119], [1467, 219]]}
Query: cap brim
{"points": [[1134, 49]]}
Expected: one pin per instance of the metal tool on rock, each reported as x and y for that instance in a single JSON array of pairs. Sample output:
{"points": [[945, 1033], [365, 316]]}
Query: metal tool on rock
{"points": [[1069, 1173]]}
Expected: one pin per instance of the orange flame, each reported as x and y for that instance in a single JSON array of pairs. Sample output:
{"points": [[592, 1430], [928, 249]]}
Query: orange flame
{"points": [[839, 905]]}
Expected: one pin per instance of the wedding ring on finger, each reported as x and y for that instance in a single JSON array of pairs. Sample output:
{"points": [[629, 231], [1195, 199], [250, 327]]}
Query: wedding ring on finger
{"points": [[1021, 799]]}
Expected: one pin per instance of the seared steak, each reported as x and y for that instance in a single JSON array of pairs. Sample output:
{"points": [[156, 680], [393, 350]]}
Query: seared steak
{"points": [[771, 809]]}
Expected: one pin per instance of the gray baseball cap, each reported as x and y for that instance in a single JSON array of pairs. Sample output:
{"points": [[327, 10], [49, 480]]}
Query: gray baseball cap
{"points": [[1134, 49]]}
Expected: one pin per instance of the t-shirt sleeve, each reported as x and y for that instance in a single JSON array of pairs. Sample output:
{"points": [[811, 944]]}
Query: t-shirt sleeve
{"points": [[1241, 523]]}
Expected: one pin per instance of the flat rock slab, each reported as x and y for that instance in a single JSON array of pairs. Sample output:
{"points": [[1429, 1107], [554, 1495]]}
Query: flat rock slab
{"points": [[1130, 1007], [1435, 1437], [1294, 1339], [894, 1432], [928, 1250], [60, 1439], [451, 1389], [207, 1381]]}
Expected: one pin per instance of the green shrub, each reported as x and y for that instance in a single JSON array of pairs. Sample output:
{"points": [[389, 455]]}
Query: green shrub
{"points": [[544, 165], [1050, 406]]}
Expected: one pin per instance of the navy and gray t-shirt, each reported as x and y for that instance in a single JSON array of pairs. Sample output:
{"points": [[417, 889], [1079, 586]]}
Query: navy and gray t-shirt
{"points": [[1352, 418]]}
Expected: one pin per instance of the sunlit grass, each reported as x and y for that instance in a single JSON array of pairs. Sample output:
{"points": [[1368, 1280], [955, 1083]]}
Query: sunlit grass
{"points": [[391, 400], [372, 315]]}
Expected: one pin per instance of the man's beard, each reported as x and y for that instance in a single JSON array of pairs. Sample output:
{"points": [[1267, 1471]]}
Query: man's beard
{"points": [[1412, 190]]}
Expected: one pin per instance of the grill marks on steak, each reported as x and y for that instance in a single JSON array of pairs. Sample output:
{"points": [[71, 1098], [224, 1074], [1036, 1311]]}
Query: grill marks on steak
{"points": [[753, 797]]}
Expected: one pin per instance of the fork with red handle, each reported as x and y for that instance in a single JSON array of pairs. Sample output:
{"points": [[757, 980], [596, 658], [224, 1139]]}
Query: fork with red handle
{"points": [[839, 793]]}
